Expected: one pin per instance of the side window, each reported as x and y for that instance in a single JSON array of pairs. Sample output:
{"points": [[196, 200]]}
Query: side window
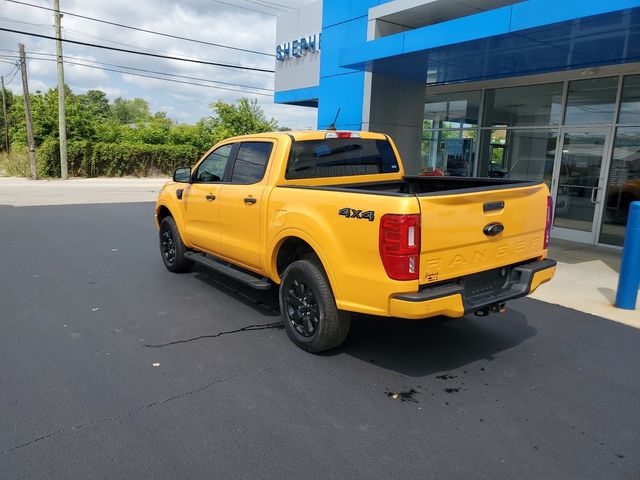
{"points": [[251, 162], [212, 168]]}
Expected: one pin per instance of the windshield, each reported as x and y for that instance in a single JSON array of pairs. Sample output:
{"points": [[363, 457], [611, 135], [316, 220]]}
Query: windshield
{"points": [[340, 157]]}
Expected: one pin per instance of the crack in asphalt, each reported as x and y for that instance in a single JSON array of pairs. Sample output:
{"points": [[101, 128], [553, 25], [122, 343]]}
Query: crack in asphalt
{"points": [[202, 388], [248, 328]]}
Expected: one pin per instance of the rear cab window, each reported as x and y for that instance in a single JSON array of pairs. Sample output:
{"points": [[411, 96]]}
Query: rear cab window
{"points": [[340, 157]]}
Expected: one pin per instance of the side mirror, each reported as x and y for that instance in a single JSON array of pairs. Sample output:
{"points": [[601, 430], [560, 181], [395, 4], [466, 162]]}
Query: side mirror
{"points": [[182, 175]]}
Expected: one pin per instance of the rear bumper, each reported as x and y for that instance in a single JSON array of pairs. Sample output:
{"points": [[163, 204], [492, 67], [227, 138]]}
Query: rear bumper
{"points": [[475, 292]]}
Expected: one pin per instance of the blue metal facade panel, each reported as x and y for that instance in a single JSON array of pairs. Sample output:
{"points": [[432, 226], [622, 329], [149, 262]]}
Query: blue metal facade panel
{"points": [[482, 25], [536, 13], [608, 39], [344, 24], [533, 36], [344, 92], [485, 25], [334, 39], [298, 96]]}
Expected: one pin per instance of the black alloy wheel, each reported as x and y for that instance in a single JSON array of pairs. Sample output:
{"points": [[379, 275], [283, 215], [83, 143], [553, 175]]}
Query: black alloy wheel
{"points": [[171, 247], [302, 309], [308, 308], [167, 244]]}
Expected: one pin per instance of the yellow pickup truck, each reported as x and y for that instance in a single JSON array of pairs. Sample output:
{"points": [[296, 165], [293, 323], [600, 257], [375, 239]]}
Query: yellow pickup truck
{"points": [[330, 217]]}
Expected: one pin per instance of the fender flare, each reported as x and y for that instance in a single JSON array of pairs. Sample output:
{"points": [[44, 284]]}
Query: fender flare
{"points": [[274, 247], [177, 216]]}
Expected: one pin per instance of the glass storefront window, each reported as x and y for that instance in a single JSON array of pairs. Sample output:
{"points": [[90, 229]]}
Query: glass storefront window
{"points": [[452, 110], [519, 137], [518, 154], [623, 186], [591, 101], [449, 152], [530, 105], [630, 104]]}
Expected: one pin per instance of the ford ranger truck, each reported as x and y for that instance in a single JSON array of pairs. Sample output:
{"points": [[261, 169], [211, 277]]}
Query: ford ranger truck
{"points": [[331, 218]]}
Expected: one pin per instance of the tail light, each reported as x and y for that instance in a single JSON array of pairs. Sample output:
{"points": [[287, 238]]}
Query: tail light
{"points": [[400, 246], [547, 228]]}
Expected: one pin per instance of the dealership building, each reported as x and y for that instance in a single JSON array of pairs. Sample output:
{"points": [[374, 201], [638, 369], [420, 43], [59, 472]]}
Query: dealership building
{"points": [[545, 90]]}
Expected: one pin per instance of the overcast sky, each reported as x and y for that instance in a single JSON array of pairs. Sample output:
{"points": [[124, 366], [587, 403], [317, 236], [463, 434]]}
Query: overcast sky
{"points": [[207, 20]]}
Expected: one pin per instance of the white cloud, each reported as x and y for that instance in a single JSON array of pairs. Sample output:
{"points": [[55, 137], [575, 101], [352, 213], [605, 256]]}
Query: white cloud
{"points": [[110, 91], [204, 20], [37, 85]]}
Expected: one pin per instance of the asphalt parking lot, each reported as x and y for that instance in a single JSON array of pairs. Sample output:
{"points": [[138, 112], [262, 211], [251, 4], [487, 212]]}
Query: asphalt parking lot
{"points": [[112, 367]]}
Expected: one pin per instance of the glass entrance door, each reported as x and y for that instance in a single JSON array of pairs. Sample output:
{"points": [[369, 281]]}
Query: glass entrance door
{"points": [[578, 181]]}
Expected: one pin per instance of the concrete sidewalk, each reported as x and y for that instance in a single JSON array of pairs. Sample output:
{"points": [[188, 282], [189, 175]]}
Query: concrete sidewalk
{"points": [[21, 192], [586, 278]]}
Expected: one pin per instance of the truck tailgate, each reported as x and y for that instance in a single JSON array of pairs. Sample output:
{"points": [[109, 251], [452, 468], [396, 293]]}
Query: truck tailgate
{"points": [[456, 240]]}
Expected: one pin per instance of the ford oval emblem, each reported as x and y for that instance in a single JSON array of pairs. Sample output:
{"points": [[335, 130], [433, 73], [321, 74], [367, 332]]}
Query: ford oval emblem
{"points": [[493, 229]]}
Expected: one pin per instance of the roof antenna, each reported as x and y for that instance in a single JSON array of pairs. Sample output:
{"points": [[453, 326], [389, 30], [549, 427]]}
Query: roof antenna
{"points": [[333, 124]]}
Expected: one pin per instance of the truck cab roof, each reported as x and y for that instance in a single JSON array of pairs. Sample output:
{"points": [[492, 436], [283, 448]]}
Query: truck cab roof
{"points": [[301, 135]]}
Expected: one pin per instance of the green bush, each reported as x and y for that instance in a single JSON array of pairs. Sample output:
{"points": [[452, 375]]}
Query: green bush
{"points": [[118, 159], [78, 157], [48, 158], [90, 159]]}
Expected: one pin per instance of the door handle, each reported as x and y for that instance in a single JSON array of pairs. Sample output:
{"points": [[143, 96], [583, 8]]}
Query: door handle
{"points": [[250, 200], [210, 197], [594, 195]]}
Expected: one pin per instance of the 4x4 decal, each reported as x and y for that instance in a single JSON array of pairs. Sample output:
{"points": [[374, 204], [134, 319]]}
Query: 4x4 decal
{"points": [[353, 213]]}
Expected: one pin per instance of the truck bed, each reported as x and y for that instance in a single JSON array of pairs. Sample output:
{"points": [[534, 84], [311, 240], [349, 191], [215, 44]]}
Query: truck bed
{"points": [[455, 212], [427, 186]]}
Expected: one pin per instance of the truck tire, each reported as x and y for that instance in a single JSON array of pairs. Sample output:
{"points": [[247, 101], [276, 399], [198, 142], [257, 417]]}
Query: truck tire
{"points": [[171, 247], [308, 308]]}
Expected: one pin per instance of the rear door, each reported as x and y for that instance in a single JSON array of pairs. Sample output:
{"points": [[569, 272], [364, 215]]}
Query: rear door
{"points": [[241, 203], [465, 233]]}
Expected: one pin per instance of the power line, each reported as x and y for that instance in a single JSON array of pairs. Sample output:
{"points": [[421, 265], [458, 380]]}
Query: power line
{"points": [[200, 79], [277, 4], [9, 62], [12, 77], [88, 35], [244, 8], [142, 49], [168, 79], [41, 25], [135, 52], [260, 4], [153, 77], [169, 35], [123, 44], [14, 70]]}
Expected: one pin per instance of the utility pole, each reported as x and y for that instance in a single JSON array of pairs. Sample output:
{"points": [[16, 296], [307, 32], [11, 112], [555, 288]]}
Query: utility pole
{"points": [[62, 112], [27, 112], [4, 114]]}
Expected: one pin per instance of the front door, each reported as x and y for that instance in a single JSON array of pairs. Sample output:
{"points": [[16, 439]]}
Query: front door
{"points": [[578, 183], [201, 198]]}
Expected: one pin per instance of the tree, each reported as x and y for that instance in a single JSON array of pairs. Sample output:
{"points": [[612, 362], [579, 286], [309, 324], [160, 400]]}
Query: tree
{"points": [[10, 100], [96, 104], [125, 125], [242, 118], [127, 111]]}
